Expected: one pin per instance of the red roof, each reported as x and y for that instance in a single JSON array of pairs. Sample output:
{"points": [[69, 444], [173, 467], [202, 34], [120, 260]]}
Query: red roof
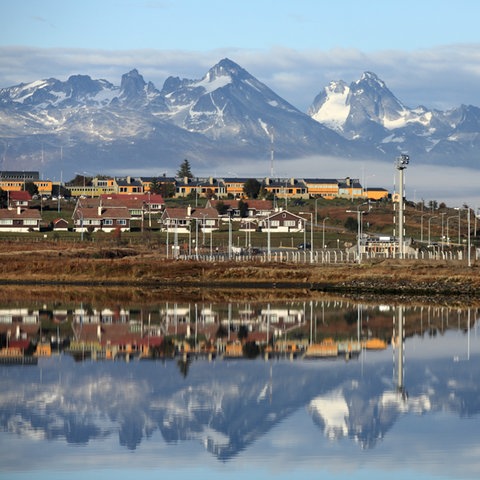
{"points": [[20, 196], [21, 344], [24, 213]]}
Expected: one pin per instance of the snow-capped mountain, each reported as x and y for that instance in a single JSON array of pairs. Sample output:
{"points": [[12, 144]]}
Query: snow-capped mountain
{"points": [[226, 116], [367, 111], [221, 120]]}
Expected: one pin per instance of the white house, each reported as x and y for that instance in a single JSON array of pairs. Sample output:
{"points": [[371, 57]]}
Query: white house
{"points": [[282, 221]]}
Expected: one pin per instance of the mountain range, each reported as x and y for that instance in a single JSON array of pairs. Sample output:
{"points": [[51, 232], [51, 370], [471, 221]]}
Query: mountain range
{"points": [[223, 120]]}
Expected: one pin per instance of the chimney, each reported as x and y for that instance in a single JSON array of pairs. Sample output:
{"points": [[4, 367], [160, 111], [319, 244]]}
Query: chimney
{"points": [[19, 209], [189, 211], [100, 210], [99, 333]]}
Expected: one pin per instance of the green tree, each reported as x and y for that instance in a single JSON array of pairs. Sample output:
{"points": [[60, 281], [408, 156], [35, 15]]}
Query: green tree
{"points": [[242, 333], [243, 207], [222, 332], [155, 186], [3, 198], [251, 188], [80, 180], [222, 209], [351, 224], [31, 188], [185, 170]]}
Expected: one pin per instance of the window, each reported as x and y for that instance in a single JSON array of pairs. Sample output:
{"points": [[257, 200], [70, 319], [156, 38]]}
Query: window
{"points": [[274, 223], [108, 221], [121, 222], [30, 222], [6, 221], [290, 223]]}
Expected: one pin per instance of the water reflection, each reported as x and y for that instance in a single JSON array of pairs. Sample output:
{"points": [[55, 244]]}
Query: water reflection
{"points": [[239, 409]]}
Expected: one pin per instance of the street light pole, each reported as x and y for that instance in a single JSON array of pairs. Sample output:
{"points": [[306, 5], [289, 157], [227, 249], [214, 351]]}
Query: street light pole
{"points": [[311, 233], [359, 228], [429, 221], [323, 232], [448, 238], [421, 228]]}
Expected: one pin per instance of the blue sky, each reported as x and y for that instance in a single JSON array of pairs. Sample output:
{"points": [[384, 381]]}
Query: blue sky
{"points": [[426, 51]]}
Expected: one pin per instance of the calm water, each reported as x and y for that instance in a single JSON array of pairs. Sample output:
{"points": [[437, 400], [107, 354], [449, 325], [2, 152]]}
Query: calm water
{"points": [[271, 419]]}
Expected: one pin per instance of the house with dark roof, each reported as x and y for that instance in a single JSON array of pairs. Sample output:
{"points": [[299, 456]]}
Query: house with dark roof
{"points": [[106, 219], [203, 187], [350, 188], [182, 220], [19, 220], [128, 185], [59, 225], [254, 208], [286, 187], [138, 204], [282, 221]]}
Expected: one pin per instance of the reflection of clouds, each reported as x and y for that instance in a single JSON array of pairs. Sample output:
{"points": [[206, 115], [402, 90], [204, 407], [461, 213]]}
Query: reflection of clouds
{"points": [[108, 408], [333, 411]]}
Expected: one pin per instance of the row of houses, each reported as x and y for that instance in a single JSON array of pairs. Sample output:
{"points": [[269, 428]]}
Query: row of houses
{"points": [[282, 188], [111, 212], [108, 213]]}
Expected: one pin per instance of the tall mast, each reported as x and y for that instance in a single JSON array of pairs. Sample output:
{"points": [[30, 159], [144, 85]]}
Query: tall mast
{"points": [[271, 152]]}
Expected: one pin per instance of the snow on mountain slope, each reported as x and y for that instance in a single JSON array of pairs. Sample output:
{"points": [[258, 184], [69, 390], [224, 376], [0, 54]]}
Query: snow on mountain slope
{"points": [[330, 107]]}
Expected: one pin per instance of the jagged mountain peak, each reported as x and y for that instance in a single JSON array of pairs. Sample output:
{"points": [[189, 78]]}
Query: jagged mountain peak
{"points": [[132, 83], [226, 67], [371, 78]]}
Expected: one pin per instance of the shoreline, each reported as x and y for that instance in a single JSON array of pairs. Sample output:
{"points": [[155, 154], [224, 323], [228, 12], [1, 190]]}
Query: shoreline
{"points": [[124, 267]]}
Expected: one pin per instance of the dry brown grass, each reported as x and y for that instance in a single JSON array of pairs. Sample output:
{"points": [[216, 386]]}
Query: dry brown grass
{"points": [[88, 264]]}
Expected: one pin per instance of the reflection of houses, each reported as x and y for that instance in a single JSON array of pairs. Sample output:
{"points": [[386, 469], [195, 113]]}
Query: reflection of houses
{"points": [[19, 220], [282, 315], [176, 314], [278, 320], [106, 315], [111, 341], [282, 221], [15, 315], [183, 220]]}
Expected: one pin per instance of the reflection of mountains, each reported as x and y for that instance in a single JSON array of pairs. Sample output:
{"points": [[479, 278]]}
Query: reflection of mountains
{"points": [[225, 405]]}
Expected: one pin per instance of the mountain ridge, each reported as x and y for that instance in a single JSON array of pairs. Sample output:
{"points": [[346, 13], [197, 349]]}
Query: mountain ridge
{"points": [[226, 117]]}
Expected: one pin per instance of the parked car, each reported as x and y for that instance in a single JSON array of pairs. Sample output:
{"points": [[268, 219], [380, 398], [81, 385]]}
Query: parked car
{"points": [[304, 246]]}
